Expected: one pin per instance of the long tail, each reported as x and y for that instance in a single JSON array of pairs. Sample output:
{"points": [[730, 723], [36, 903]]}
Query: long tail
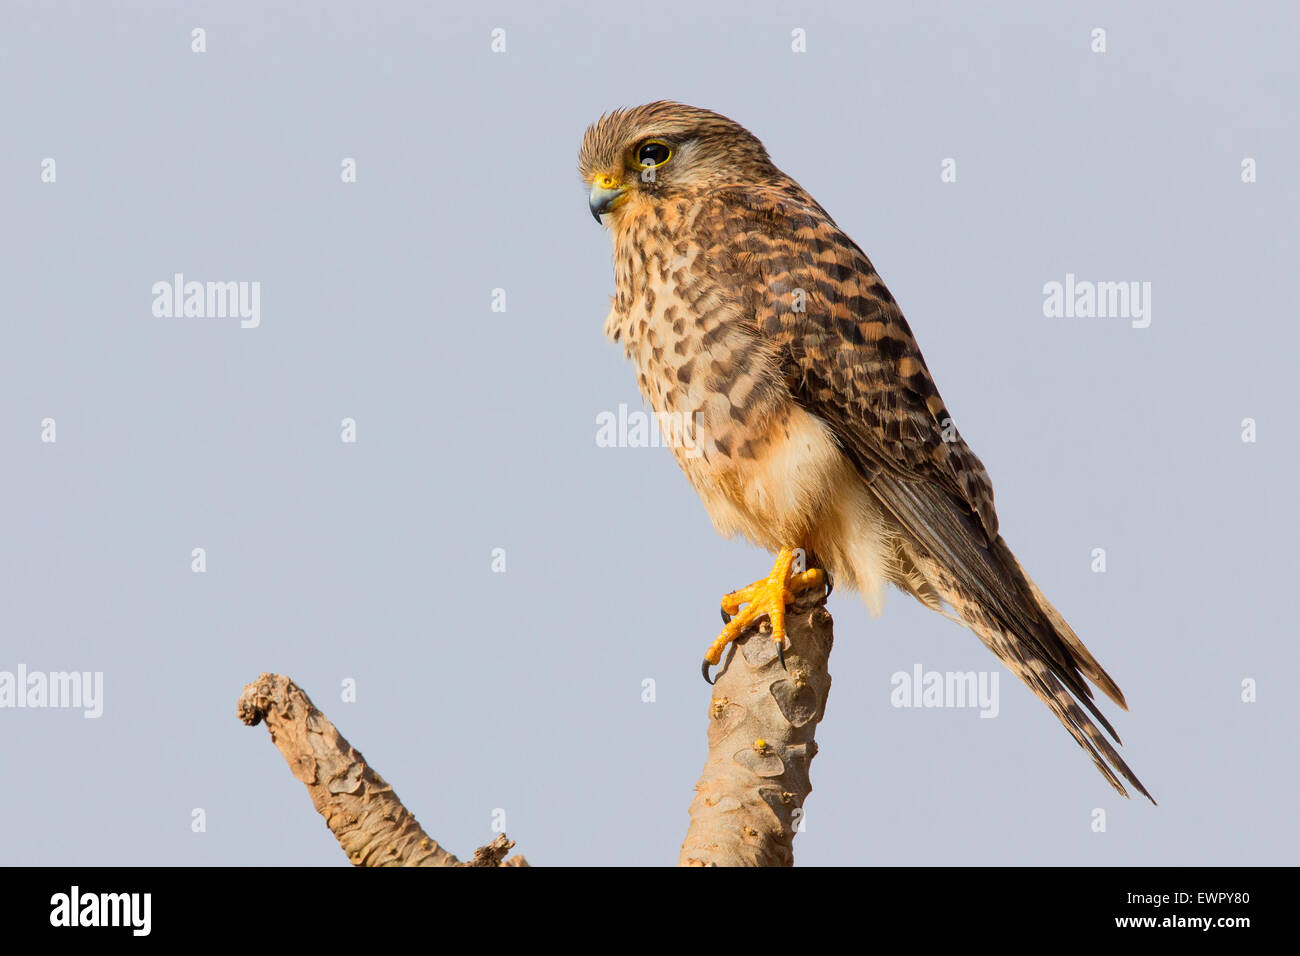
{"points": [[1022, 628]]}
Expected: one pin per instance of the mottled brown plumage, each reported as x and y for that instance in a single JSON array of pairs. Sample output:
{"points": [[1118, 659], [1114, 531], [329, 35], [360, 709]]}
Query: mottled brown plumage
{"points": [[745, 309]]}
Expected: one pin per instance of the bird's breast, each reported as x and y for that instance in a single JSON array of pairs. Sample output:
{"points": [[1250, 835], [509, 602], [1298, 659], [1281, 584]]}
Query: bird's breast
{"points": [[685, 332], [757, 460]]}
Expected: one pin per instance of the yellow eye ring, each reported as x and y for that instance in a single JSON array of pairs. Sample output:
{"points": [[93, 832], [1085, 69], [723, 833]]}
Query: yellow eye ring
{"points": [[652, 154]]}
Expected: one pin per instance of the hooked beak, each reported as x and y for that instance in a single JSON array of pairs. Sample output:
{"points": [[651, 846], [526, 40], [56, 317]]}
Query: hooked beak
{"points": [[604, 194]]}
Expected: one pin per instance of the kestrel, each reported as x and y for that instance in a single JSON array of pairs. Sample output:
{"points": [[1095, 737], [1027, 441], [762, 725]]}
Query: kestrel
{"points": [[813, 422]]}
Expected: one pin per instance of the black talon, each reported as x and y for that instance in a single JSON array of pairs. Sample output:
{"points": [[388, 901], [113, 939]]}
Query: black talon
{"points": [[726, 618], [704, 671], [830, 583], [780, 652]]}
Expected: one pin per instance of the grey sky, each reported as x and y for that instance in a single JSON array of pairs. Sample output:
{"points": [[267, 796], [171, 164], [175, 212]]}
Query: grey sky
{"points": [[476, 429]]}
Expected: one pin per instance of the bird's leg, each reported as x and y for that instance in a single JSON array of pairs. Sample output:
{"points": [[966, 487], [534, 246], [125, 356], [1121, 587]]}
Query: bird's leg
{"points": [[766, 597]]}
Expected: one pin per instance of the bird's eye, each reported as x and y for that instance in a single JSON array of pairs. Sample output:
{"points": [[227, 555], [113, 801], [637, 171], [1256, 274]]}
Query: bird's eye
{"points": [[653, 153]]}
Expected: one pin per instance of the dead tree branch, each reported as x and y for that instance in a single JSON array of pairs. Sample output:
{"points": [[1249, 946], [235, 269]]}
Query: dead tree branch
{"points": [[748, 803], [762, 719], [358, 805]]}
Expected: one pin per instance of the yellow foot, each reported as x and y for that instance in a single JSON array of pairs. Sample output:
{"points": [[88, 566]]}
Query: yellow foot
{"points": [[767, 597]]}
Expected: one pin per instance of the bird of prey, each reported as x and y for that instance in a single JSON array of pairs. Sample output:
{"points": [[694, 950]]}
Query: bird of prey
{"points": [[815, 423]]}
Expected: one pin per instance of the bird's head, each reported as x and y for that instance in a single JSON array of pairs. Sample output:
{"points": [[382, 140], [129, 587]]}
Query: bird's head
{"points": [[654, 152]]}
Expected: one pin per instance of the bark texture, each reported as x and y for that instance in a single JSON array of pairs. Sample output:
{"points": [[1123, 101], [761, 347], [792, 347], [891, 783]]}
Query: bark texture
{"points": [[762, 719], [358, 805]]}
